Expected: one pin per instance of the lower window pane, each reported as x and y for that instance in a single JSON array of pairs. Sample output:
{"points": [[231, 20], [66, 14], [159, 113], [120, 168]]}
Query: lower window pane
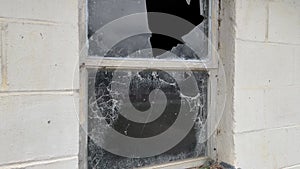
{"points": [[115, 94]]}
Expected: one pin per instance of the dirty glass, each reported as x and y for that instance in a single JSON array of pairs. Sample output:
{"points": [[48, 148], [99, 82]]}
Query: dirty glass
{"points": [[108, 87], [106, 102], [104, 12]]}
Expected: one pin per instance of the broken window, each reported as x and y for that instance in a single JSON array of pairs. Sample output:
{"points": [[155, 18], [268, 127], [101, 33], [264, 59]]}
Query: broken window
{"points": [[131, 68], [106, 101], [161, 33]]}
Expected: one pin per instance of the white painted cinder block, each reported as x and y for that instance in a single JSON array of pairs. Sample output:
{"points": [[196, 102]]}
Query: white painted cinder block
{"points": [[249, 108], [0, 63], [284, 21], [63, 163], [297, 66], [251, 19], [0, 74], [55, 10], [42, 57], [37, 127], [268, 149], [281, 106], [268, 108], [260, 65]]}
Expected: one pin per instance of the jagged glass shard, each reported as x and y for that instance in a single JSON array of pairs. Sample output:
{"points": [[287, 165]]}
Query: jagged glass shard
{"points": [[103, 12]]}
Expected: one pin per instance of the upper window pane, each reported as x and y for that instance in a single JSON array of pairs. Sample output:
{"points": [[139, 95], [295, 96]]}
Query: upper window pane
{"points": [[129, 28]]}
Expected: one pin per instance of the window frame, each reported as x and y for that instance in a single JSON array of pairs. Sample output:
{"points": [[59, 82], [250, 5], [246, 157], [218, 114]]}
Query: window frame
{"points": [[90, 62]]}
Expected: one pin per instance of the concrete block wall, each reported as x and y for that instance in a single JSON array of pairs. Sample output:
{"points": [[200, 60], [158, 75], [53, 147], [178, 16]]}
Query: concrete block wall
{"points": [[39, 54], [266, 88]]}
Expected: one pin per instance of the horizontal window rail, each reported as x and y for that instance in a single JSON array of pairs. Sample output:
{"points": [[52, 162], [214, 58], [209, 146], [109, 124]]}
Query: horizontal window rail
{"points": [[129, 63]]}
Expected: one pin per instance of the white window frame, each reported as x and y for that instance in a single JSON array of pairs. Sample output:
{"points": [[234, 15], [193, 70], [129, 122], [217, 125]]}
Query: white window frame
{"points": [[211, 65]]}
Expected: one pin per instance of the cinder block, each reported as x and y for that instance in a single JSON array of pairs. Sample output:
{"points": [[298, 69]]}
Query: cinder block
{"points": [[42, 57], [251, 19], [281, 106], [38, 127], [0, 74], [267, 149], [55, 10], [0, 63], [67, 163], [260, 65], [249, 110], [258, 109], [297, 66], [284, 21]]}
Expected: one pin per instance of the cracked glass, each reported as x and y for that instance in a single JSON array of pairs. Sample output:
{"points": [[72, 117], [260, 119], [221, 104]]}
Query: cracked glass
{"points": [[113, 90]]}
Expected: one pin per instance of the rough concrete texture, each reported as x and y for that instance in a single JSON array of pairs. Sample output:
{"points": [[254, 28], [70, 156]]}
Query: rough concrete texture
{"points": [[266, 90], [39, 101]]}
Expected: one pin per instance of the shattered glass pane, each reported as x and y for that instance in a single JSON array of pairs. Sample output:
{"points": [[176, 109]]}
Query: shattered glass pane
{"points": [[104, 12], [112, 92], [107, 90]]}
